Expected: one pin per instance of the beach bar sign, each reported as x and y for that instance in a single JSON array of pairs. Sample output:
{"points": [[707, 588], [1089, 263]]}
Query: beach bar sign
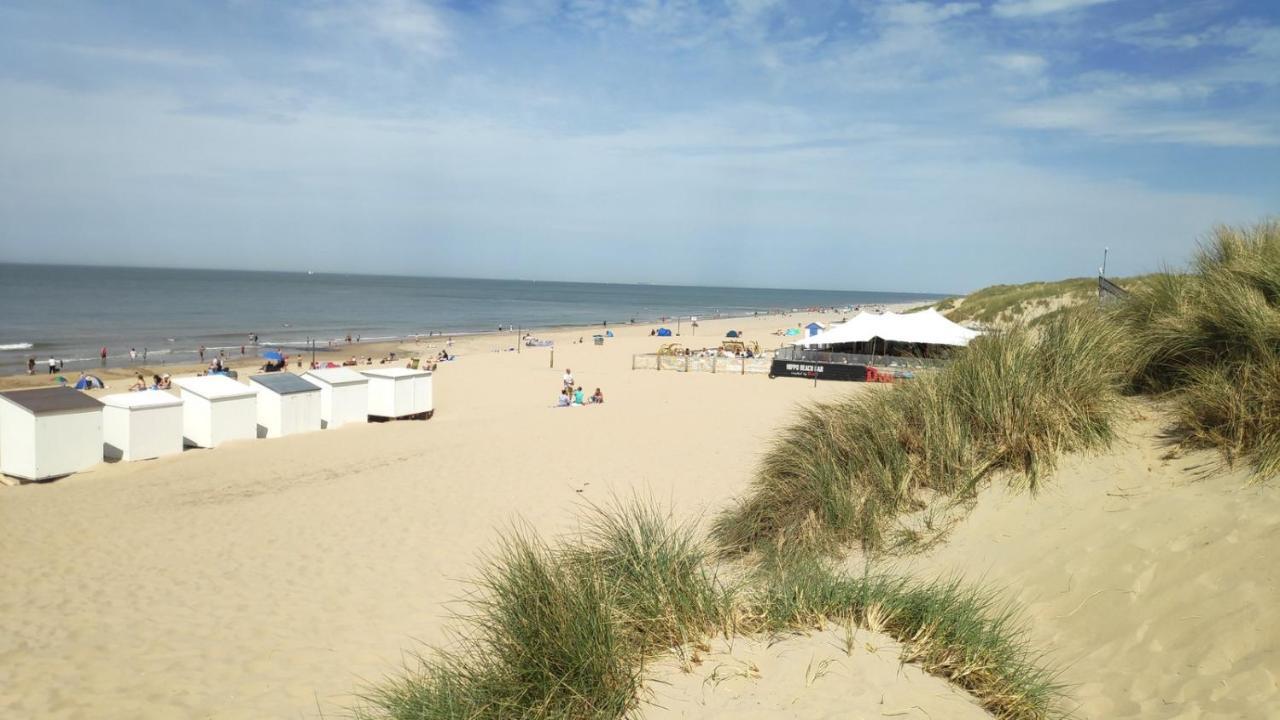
{"points": [[818, 370]]}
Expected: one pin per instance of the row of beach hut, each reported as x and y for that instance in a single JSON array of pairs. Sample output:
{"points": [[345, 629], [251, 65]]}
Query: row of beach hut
{"points": [[52, 432]]}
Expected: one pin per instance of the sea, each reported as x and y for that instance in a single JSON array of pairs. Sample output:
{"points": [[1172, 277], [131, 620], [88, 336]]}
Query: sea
{"points": [[71, 312]]}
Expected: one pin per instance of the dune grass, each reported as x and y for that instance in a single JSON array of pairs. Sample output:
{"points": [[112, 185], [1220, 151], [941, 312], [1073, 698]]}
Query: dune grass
{"points": [[565, 630], [958, 632], [1008, 303], [1210, 338], [1013, 401]]}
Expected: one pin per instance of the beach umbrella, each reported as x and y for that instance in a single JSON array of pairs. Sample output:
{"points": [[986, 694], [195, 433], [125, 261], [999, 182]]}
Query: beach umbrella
{"points": [[273, 355]]}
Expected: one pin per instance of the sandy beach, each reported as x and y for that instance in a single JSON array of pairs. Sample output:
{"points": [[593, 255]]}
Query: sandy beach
{"points": [[273, 578], [277, 578]]}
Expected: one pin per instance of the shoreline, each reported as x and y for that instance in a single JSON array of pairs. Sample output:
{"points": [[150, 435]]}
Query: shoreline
{"points": [[122, 369]]}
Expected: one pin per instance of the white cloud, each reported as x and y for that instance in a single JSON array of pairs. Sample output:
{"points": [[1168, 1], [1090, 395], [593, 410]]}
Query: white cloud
{"points": [[411, 26], [1023, 63], [1034, 8], [1110, 117], [925, 13], [142, 55]]}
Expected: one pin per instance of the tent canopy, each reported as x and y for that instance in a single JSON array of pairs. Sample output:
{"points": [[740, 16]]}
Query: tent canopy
{"points": [[664, 332], [731, 334], [928, 327]]}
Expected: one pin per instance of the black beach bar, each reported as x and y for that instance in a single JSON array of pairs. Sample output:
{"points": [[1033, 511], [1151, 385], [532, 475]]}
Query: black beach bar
{"points": [[814, 365]]}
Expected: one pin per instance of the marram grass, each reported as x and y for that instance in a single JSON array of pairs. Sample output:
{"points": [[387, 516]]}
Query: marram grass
{"points": [[1210, 340], [565, 631], [1013, 401]]}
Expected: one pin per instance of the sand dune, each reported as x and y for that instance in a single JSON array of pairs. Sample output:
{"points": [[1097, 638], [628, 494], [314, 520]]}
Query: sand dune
{"points": [[1151, 579], [828, 674]]}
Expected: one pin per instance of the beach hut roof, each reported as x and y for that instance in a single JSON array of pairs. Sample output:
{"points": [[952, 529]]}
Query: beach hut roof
{"points": [[395, 372], [42, 401], [144, 399], [284, 383], [337, 376], [928, 327], [214, 387]]}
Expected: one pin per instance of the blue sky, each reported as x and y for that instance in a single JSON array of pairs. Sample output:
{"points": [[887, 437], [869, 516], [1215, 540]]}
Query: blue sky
{"points": [[848, 145]]}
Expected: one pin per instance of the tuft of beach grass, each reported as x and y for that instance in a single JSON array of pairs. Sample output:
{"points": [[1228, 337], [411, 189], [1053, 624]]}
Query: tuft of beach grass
{"points": [[1013, 401], [1210, 340], [565, 630]]}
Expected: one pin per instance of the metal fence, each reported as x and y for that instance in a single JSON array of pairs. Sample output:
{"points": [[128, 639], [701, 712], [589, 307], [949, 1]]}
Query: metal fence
{"points": [[1109, 291], [701, 363], [797, 354]]}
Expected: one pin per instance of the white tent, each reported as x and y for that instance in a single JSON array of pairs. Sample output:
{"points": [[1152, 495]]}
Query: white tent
{"points": [[399, 392], [49, 432], [344, 395], [926, 326], [287, 404], [216, 409], [141, 425]]}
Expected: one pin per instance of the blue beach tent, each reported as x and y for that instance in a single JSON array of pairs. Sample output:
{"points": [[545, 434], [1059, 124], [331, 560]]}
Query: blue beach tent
{"points": [[273, 355], [664, 332]]}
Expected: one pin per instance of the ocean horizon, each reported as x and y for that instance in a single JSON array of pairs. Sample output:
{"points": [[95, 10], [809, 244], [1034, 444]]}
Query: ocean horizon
{"points": [[70, 312]]}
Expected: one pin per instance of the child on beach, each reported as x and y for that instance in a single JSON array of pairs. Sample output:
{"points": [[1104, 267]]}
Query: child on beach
{"points": [[597, 397], [564, 399], [577, 396]]}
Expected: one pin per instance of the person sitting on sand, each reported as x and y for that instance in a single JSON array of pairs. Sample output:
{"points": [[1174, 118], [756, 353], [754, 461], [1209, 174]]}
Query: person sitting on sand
{"points": [[140, 383], [563, 401], [597, 397], [577, 396], [156, 383], [166, 382]]}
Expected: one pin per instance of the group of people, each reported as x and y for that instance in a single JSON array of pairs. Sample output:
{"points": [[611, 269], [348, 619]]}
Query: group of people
{"points": [[158, 382], [572, 394]]}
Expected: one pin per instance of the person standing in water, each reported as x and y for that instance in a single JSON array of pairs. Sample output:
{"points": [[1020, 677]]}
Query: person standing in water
{"points": [[103, 354]]}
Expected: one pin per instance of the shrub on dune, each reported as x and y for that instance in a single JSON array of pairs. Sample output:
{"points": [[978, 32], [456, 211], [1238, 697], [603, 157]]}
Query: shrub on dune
{"points": [[1211, 337], [1013, 401], [565, 631]]}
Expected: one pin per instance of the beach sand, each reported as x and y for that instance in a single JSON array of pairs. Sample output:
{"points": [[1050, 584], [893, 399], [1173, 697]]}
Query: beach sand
{"points": [[273, 578], [1151, 579], [834, 673]]}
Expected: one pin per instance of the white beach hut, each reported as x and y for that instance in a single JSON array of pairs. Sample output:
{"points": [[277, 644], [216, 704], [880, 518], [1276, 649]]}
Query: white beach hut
{"points": [[344, 395], [48, 432], [216, 409], [287, 404], [141, 425], [399, 393]]}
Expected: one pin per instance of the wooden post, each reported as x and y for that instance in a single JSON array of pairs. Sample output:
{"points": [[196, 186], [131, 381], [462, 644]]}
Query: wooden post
{"points": [[713, 364], [686, 363], [744, 366], [553, 358]]}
